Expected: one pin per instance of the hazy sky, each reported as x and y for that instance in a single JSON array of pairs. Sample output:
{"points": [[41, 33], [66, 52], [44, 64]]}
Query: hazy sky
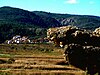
{"points": [[83, 7]]}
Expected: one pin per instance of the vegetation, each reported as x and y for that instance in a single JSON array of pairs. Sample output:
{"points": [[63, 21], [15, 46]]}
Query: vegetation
{"points": [[15, 21], [10, 50], [34, 59], [81, 21]]}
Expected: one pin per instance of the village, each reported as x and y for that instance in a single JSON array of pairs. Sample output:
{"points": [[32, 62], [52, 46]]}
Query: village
{"points": [[24, 39]]}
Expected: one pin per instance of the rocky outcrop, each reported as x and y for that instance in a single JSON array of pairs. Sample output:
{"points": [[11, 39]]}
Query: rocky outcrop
{"points": [[82, 47], [61, 35], [83, 57], [71, 34], [97, 32]]}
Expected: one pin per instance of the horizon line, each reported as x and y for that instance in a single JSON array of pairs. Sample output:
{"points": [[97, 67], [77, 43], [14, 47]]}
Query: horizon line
{"points": [[50, 12]]}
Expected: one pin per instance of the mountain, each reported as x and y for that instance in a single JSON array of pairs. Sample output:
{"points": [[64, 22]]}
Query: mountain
{"points": [[81, 21], [15, 21], [16, 15]]}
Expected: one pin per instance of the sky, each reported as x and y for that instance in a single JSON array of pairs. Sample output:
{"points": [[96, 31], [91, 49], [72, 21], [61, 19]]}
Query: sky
{"points": [[79, 7]]}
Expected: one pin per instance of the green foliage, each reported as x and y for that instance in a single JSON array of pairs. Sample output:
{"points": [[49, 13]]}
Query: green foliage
{"points": [[15, 21], [5, 73], [82, 21]]}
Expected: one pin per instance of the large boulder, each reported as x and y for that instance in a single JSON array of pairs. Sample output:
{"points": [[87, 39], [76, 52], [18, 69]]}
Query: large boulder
{"points": [[97, 31], [82, 47], [71, 34], [61, 34], [81, 37], [83, 57], [61, 31]]}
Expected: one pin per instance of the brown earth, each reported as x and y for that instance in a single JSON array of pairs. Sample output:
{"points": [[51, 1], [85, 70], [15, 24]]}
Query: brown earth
{"points": [[40, 63]]}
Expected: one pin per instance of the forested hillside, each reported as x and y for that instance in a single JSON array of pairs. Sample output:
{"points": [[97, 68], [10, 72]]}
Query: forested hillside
{"points": [[15, 21], [81, 21]]}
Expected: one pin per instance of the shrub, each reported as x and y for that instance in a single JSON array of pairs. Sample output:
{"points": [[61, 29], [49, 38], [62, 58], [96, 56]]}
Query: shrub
{"points": [[10, 61]]}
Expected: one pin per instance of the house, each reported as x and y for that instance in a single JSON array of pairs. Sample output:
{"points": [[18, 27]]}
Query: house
{"points": [[18, 40]]}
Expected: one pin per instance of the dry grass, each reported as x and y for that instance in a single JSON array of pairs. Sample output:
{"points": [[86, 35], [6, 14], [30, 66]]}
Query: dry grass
{"points": [[34, 59], [41, 72]]}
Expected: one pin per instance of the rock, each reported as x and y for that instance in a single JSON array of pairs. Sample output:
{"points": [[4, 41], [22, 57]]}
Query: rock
{"points": [[97, 31], [71, 34], [59, 34], [83, 57], [82, 47]]}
